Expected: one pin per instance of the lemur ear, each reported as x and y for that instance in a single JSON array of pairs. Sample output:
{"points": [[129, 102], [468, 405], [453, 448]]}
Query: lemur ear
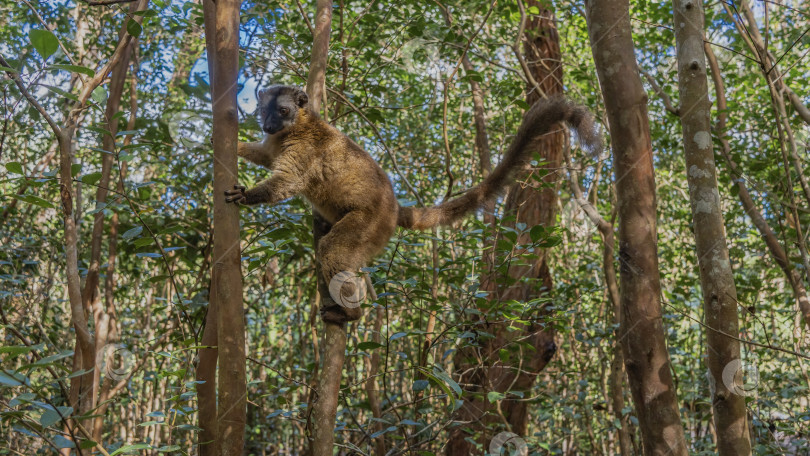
{"points": [[301, 99]]}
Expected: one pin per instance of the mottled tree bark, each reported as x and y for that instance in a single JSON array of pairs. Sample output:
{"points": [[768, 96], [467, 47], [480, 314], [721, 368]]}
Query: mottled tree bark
{"points": [[207, 366], [716, 276], [532, 204], [642, 333], [226, 276]]}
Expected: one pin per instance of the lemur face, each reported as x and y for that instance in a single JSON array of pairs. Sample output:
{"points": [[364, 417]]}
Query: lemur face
{"points": [[279, 106]]}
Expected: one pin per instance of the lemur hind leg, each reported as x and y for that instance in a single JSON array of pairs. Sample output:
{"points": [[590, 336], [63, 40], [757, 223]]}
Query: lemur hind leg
{"points": [[349, 245]]}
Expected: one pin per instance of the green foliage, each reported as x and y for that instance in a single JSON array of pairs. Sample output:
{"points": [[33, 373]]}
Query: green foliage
{"points": [[388, 72]]}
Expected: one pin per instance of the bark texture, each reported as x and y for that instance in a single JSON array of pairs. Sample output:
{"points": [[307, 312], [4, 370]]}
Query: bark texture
{"points": [[532, 204], [324, 409], [226, 275], [642, 333], [716, 276]]}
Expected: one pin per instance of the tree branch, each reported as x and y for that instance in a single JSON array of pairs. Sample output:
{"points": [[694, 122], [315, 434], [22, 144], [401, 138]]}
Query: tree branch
{"points": [[18, 81]]}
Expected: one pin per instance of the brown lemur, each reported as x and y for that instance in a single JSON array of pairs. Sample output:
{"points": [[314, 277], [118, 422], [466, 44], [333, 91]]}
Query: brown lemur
{"points": [[349, 190]]}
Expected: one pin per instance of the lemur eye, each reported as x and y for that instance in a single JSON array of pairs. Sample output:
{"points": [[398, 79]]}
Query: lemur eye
{"points": [[284, 111]]}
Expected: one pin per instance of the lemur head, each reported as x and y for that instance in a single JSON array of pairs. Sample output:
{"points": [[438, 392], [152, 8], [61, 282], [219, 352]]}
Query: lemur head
{"points": [[279, 107]]}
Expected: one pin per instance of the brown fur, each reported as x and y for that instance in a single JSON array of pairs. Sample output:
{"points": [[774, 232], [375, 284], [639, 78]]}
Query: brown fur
{"points": [[351, 192]]}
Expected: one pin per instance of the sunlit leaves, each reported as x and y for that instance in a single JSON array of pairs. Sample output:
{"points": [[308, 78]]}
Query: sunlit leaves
{"points": [[44, 41]]}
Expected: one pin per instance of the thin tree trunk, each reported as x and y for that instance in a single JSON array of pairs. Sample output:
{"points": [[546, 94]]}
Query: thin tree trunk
{"points": [[716, 276], [533, 204], [109, 281], [226, 277], [207, 367], [316, 80], [372, 367], [207, 391], [642, 334], [324, 410], [776, 88], [771, 241], [90, 297], [612, 284]]}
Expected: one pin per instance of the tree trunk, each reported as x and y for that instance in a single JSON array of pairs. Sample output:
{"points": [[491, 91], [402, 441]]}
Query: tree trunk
{"points": [[324, 410], [716, 277], [226, 276], [612, 284], [533, 204], [642, 333]]}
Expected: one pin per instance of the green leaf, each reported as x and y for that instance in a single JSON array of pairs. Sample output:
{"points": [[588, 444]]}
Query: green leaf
{"points": [[449, 381], [537, 232], [131, 234], [74, 69], [166, 449], [8, 378], [7, 69], [62, 442], [494, 396], [75, 169], [15, 350], [134, 28], [87, 444], [53, 358], [59, 91], [36, 201], [420, 385], [99, 95], [369, 345], [14, 167], [49, 418], [131, 448], [396, 336], [91, 179], [44, 41]]}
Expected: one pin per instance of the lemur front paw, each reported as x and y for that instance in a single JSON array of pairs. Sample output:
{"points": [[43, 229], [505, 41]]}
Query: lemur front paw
{"points": [[237, 195]]}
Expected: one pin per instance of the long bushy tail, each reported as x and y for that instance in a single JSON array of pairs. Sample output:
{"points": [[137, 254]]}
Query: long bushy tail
{"points": [[537, 121]]}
